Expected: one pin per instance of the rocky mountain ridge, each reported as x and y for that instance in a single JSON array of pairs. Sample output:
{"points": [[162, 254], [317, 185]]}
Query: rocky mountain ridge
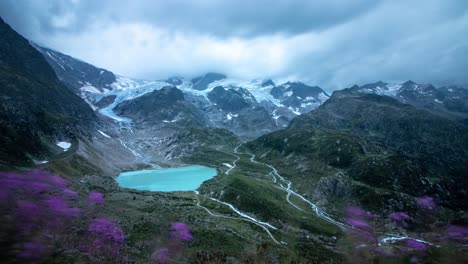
{"points": [[447, 100], [37, 110], [378, 142]]}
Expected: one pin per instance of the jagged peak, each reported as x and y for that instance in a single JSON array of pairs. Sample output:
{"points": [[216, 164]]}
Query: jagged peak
{"points": [[268, 82], [211, 75], [409, 82], [380, 83]]}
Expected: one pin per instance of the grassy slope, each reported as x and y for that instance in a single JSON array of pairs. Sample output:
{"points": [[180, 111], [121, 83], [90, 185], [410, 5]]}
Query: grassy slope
{"points": [[340, 168], [249, 189], [145, 216]]}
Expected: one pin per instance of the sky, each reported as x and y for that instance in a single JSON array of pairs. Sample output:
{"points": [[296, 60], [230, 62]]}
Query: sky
{"points": [[330, 43]]}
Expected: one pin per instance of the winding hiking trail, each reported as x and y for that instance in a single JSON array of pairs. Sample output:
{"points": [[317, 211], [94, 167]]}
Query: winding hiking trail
{"points": [[286, 185], [385, 238], [319, 212], [234, 163], [245, 217]]}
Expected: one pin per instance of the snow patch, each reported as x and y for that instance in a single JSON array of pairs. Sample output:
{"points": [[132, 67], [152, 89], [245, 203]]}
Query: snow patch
{"points": [[104, 134], [437, 101], [315, 105], [229, 116], [83, 95], [58, 62], [64, 145], [323, 97], [89, 88], [295, 111], [388, 90]]}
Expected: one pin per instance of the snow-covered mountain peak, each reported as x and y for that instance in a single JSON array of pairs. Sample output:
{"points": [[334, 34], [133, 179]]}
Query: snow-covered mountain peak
{"points": [[258, 104]]}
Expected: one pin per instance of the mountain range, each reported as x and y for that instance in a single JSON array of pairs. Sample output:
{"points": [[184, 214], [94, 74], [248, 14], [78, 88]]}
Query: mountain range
{"points": [[278, 148]]}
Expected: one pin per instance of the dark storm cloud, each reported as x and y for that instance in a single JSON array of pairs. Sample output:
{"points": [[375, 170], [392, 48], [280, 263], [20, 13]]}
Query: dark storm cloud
{"points": [[331, 43], [220, 18]]}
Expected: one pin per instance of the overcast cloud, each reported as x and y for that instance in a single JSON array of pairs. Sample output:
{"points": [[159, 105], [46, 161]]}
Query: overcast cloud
{"points": [[331, 43]]}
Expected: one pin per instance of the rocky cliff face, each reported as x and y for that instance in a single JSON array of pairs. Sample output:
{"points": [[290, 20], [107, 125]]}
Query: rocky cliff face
{"points": [[77, 75], [34, 105], [167, 105], [201, 83], [231, 99], [299, 97]]}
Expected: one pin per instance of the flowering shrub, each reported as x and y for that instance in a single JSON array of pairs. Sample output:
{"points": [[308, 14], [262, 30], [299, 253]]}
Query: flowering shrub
{"points": [[416, 245], [425, 202], [40, 219], [457, 233], [369, 243], [399, 218], [106, 241], [179, 233], [107, 229], [95, 197], [161, 256]]}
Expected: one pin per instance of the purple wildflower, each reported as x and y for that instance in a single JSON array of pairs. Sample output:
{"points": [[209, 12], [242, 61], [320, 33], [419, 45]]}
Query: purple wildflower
{"points": [[161, 256], [355, 212], [70, 194], [382, 252], [59, 206], [28, 214], [368, 237], [457, 233], [425, 202], [399, 217], [58, 181], [180, 231], [37, 208], [4, 196], [27, 209], [96, 198], [415, 244], [364, 236], [37, 186], [32, 251], [107, 229], [358, 223], [414, 259]]}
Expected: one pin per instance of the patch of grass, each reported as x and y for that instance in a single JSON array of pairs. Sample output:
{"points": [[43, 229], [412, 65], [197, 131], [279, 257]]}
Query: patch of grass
{"points": [[266, 201], [209, 157]]}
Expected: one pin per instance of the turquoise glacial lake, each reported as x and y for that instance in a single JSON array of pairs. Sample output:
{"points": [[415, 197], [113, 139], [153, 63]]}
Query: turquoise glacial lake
{"points": [[166, 180]]}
